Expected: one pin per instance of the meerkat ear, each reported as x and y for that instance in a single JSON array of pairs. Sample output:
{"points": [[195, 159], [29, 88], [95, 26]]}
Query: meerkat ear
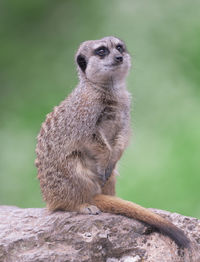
{"points": [[81, 61]]}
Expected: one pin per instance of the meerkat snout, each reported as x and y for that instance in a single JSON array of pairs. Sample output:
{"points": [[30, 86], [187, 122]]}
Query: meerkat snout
{"points": [[118, 59]]}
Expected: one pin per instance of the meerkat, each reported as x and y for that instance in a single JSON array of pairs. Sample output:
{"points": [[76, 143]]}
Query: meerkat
{"points": [[84, 137]]}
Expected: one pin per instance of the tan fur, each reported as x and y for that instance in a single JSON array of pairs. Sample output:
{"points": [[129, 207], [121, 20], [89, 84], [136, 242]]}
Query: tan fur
{"points": [[82, 140]]}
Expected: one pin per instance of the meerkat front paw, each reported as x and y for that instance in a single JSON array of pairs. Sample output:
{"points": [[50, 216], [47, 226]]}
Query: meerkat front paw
{"points": [[109, 171], [89, 209]]}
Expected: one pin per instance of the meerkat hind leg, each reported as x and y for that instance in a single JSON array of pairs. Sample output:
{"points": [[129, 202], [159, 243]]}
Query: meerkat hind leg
{"points": [[89, 188], [108, 189]]}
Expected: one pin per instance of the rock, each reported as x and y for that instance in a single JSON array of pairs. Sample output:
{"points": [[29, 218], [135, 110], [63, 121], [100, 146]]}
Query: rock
{"points": [[34, 234]]}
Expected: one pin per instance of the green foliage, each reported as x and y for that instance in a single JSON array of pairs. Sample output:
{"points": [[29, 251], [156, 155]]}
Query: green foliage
{"points": [[161, 167]]}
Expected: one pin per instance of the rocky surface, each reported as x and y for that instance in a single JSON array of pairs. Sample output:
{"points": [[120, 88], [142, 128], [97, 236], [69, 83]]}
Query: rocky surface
{"points": [[34, 234]]}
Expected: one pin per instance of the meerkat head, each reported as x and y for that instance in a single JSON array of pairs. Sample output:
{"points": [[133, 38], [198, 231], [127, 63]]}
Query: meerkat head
{"points": [[102, 61]]}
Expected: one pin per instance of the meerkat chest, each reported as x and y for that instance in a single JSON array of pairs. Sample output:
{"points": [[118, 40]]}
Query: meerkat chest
{"points": [[112, 120]]}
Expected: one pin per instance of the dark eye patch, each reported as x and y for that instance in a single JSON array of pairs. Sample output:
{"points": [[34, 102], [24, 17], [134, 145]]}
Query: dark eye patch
{"points": [[120, 48], [81, 61], [101, 51]]}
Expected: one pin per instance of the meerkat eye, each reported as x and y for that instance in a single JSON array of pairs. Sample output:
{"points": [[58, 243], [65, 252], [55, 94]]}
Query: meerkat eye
{"points": [[101, 51], [120, 48]]}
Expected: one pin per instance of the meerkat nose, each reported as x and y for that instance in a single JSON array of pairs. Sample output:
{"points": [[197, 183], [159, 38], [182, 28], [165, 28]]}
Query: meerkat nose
{"points": [[118, 59]]}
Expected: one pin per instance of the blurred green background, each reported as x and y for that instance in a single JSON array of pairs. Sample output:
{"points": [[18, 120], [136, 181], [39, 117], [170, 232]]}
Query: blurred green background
{"points": [[38, 40]]}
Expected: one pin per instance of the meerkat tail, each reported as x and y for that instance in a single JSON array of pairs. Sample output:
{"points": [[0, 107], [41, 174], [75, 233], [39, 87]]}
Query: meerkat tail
{"points": [[112, 204]]}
